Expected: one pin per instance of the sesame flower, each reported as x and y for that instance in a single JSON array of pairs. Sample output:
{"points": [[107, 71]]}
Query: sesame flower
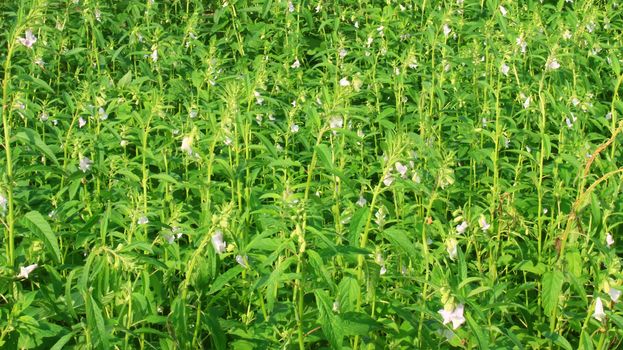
{"points": [[505, 69], [81, 122], [552, 64], [29, 39], [361, 201], [343, 53], [388, 179], [446, 30], [599, 313], [383, 270], [85, 164], [344, 82], [503, 11], [451, 245], [143, 220], [187, 143], [3, 203], [154, 55], [25, 271], [454, 315], [401, 169], [609, 239], [218, 243], [294, 128], [460, 229], [615, 294], [483, 223], [296, 64], [102, 113], [243, 261], [526, 103], [336, 122], [44, 116]]}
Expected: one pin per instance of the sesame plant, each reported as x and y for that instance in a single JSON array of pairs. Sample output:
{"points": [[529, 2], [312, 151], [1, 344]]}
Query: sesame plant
{"points": [[266, 174]]}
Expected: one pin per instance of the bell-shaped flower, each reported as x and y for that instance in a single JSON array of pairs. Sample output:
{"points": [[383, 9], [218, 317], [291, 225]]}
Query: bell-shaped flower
{"points": [[451, 248], [218, 243], [25, 271], [454, 315], [401, 169], [615, 294], [609, 239], [242, 261], [460, 229], [29, 39], [187, 143], [85, 164], [483, 223], [599, 313]]}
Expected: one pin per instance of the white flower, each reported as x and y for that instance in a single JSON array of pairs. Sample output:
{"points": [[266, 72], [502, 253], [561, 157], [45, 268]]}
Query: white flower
{"points": [[336, 306], [290, 6], [25, 271], [380, 217], [98, 15], [361, 201], [344, 82], [455, 316], [451, 245], [336, 122], [143, 220], [413, 63], [526, 103], [609, 239], [383, 270], [608, 116], [187, 143], [615, 294], [39, 62], [401, 169], [296, 64], [43, 117], [552, 64], [3, 203], [29, 39], [227, 141], [81, 122], [416, 177], [483, 223], [242, 260], [192, 114], [569, 123], [154, 55], [484, 122], [294, 128], [521, 42], [102, 113], [446, 30], [599, 314], [503, 10], [462, 227], [85, 164], [293, 103], [388, 179], [218, 243], [343, 53], [258, 98], [505, 69]]}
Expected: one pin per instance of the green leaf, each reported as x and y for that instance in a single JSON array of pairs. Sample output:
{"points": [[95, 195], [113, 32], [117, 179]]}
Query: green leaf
{"points": [[330, 324], [95, 321], [32, 138], [481, 337], [552, 286], [44, 231]]}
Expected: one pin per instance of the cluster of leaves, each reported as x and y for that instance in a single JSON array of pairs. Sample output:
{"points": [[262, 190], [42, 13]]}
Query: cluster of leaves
{"points": [[274, 174]]}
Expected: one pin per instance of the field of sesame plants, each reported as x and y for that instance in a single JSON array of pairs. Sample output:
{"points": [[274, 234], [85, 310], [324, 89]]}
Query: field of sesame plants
{"points": [[265, 174]]}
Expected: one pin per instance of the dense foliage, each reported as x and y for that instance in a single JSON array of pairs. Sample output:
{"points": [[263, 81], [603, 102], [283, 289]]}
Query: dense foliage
{"points": [[326, 174]]}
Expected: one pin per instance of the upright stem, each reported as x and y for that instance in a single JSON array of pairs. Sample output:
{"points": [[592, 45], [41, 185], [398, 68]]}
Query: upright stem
{"points": [[6, 125]]}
